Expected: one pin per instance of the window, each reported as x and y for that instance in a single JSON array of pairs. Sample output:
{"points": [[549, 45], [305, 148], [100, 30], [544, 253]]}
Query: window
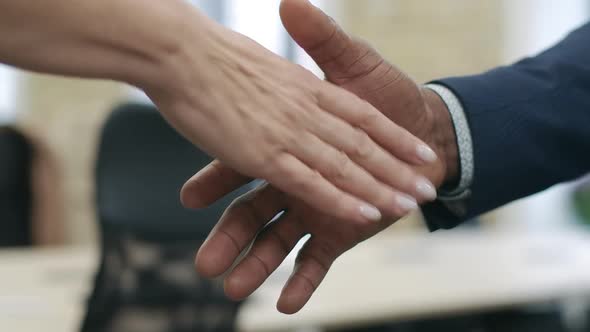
{"points": [[533, 25], [8, 91]]}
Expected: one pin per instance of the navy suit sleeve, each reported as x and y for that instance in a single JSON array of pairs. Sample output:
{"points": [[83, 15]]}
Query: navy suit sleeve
{"points": [[530, 124]]}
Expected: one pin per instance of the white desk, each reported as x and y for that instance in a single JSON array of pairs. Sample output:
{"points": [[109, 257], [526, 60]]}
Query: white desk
{"points": [[389, 280], [383, 280], [45, 290]]}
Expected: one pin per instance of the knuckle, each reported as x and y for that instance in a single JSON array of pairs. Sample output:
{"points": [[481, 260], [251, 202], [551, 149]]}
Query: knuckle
{"points": [[239, 204], [326, 253], [406, 178], [340, 205], [400, 213], [321, 253], [305, 81], [268, 140], [304, 184], [368, 118], [339, 169], [298, 108], [364, 146], [363, 44], [274, 166], [288, 142], [281, 242], [269, 132], [384, 199], [294, 114], [218, 169]]}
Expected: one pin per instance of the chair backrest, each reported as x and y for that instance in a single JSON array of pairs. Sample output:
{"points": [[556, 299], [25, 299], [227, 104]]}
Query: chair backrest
{"points": [[146, 280], [142, 164], [15, 188]]}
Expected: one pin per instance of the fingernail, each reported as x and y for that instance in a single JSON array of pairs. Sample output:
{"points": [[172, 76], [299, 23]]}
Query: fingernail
{"points": [[426, 153], [370, 212], [407, 203], [426, 189]]}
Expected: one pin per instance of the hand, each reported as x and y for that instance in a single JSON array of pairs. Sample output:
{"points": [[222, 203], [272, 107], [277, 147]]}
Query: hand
{"points": [[267, 118], [259, 114], [357, 67]]}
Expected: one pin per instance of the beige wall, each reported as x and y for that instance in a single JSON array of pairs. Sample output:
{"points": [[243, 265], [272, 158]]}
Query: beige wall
{"points": [[66, 116], [428, 39]]}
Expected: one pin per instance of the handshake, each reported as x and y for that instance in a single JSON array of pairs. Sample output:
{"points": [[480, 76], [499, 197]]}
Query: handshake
{"points": [[344, 158]]}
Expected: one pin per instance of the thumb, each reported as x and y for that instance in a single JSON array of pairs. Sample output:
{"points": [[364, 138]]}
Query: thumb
{"points": [[338, 55]]}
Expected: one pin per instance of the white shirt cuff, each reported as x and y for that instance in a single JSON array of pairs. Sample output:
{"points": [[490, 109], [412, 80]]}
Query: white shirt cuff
{"points": [[455, 197]]}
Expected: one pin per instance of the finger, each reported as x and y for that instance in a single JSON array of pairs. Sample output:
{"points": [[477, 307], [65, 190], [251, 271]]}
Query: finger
{"points": [[386, 168], [336, 167], [293, 176], [267, 253], [237, 228], [343, 58], [312, 265], [382, 130], [337, 54], [210, 184]]}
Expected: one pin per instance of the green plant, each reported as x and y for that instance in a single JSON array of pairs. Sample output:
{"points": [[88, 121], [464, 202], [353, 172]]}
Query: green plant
{"points": [[581, 201]]}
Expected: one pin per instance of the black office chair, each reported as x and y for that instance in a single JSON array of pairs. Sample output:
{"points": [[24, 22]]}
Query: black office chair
{"points": [[15, 189], [147, 281]]}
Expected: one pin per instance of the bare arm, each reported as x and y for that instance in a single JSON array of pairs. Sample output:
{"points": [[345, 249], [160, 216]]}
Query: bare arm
{"points": [[124, 40], [259, 114]]}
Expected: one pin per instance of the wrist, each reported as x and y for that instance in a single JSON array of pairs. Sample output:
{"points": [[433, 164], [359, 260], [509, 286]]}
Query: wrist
{"points": [[444, 138], [182, 34]]}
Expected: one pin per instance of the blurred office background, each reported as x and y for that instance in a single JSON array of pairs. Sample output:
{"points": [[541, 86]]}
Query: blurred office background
{"points": [[63, 118], [427, 40]]}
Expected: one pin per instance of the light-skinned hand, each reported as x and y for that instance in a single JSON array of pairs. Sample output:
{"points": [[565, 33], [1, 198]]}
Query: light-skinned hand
{"points": [[353, 65]]}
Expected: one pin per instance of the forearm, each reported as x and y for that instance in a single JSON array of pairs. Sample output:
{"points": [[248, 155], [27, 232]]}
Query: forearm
{"points": [[124, 40], [529, 125]]}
